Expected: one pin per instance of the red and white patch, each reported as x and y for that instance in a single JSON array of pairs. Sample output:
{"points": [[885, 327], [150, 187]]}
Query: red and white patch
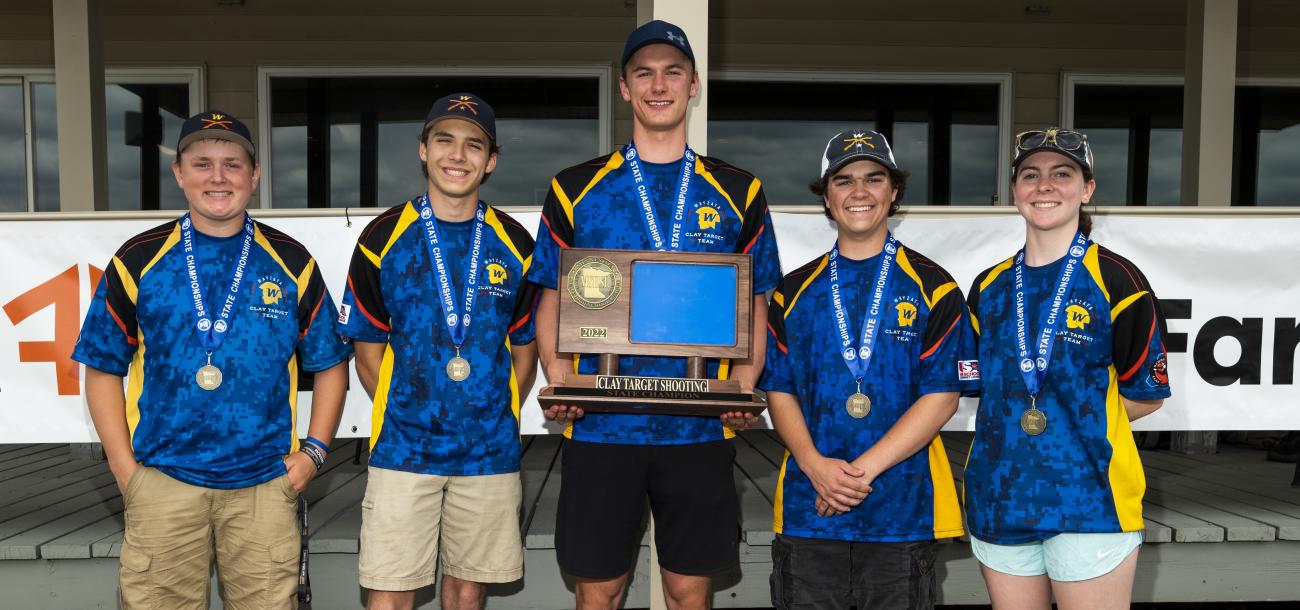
{"points": [[968, 370]]}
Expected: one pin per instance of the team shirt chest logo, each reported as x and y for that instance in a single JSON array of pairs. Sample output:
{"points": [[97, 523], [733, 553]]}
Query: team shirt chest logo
{"points": [[905, 312], [1080, 323], [709, 227], [269, 298], [498, 276]]}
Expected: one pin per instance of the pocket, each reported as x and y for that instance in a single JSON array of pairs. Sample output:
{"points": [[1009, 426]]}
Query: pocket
{"points": [[135, 559], [287, 487], [132, 484], [779, 580], [923, 582], [286, 550]]}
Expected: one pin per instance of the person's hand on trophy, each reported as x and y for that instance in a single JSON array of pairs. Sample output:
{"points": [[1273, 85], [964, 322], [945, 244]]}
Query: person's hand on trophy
{"points": [[556, 373]]}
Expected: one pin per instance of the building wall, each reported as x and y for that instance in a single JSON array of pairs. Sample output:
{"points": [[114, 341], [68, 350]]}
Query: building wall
{"points": [[1106, 36]]}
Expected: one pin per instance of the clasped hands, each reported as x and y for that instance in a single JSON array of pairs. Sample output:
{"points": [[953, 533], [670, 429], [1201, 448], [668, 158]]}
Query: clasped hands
{"points": [[840, 485]]}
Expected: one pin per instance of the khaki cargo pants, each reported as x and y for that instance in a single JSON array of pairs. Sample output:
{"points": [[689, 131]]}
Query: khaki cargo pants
{"points": [[172, 529]]}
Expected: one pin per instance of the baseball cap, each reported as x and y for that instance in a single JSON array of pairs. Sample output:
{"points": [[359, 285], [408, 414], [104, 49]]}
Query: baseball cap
{"points": [[466, 107], [1072, 144], [657, 32], [854, 145], [215, 125]]}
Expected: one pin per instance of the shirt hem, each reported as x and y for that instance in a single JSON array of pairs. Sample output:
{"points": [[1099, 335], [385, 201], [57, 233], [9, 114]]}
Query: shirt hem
{"points": [[448, 472], [857, 537], [180, 475]]}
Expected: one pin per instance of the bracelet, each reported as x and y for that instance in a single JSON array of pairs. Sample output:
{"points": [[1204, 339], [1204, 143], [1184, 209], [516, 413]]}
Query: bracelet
{"points": [[317, 458], [318, 443]]}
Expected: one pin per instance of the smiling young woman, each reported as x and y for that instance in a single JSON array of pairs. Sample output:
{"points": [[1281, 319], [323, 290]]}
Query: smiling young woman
{"points": [[1070, 344]]}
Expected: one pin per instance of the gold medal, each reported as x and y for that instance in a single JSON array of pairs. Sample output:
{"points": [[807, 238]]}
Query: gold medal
{"points": [[858, 405], [1033, 421], [208, 376], [458, 368]]}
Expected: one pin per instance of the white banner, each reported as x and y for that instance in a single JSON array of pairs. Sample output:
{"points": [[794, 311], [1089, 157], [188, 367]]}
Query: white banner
{"points": [[1231, 287]]}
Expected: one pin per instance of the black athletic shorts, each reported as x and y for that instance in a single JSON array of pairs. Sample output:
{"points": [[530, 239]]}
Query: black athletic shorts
{"points": [[603, 492]]}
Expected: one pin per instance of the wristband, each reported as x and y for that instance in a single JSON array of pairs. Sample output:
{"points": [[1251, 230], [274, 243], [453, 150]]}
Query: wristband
{"points": [[318, 443], [314, 454]]}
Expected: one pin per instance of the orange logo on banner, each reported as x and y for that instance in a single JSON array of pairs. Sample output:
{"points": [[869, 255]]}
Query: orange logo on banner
{"points": [[63, 291]]}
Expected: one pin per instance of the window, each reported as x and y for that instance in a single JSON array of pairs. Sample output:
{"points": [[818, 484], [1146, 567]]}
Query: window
{"points": [[13, 152], [946, 135], [144, 111], [1267, 145], [1135, 127], [351, 140], [1136, 134]]}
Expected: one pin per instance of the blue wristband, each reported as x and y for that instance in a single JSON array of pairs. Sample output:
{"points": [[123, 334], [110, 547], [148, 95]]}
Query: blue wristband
{"points": [[318, 443]]}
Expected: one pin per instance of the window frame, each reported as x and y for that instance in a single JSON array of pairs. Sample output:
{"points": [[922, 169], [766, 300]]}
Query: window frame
{"points": [[1004, 81], [193, 76], [1069, 81], [603, 72]]}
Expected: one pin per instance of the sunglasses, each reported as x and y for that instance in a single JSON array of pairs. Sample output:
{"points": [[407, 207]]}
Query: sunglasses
{"points": [[1064, 140]]}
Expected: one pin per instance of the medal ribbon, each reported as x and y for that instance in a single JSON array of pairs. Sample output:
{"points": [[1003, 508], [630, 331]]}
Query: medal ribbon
{"points": [[1034, 370], [213, 332], [457, 320], [673, 243], [858, 359]]}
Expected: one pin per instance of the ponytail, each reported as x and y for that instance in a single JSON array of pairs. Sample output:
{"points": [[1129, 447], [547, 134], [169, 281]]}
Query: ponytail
{"points": [[1085, 222]]}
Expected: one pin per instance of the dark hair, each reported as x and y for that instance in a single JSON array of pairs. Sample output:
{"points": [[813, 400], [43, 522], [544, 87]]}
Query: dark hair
{"points": [[493, 148], [1085, 219], [897, 179]]}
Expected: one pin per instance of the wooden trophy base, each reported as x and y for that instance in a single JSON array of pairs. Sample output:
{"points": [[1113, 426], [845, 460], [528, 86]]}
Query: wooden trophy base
{"points": [[652, 396]]}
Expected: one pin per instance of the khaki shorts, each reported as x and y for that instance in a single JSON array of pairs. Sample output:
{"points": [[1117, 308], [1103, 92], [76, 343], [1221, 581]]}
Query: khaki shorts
{"points": [[172, 529], [403, 514]]}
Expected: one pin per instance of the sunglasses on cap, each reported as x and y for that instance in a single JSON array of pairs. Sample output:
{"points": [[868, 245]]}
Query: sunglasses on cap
{"points": [[1056, 138]]}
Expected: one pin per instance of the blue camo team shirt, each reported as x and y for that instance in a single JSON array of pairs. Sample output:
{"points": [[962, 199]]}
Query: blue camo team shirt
{"points": [[422, 421], [594, 205], [141, 326], [924, 347], [1082, 474]]}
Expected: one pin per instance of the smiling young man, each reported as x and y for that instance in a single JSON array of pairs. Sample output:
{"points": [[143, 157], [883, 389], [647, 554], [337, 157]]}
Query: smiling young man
{"points": [[442, 323], [865, 363], [210, 318], [655, 194]]}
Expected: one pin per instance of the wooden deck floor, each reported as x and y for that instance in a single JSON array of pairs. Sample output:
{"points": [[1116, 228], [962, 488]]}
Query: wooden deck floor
{"points": [[61, 530]]}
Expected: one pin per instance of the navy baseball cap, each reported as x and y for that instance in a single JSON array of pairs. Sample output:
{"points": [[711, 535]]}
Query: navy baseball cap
{"points": [[657, 32], [466, 107], [1072, 144], [855, 145], [215, 125]]}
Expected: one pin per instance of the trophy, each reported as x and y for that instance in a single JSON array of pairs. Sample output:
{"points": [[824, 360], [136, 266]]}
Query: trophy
{"points": [[640, 303]]}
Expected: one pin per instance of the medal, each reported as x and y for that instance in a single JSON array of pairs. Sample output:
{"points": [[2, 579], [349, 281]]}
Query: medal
{"points": [[650, 217], [208, 376], [212, 333], [1033, 422], [458, 368], [1033, 367], [858, 358], [858, 405], [457, 320]]}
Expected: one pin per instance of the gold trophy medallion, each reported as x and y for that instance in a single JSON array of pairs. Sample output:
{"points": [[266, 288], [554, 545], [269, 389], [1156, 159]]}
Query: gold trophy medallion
{"points": [[595, 282]]}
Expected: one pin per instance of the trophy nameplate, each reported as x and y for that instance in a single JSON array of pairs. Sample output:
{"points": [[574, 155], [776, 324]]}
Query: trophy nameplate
{"points": [[638, 303]]}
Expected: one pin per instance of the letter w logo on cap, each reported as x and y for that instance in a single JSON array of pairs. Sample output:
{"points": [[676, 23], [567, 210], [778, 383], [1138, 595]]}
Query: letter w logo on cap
{"points": [[858, 139], [464, 103], [217, 120]]}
